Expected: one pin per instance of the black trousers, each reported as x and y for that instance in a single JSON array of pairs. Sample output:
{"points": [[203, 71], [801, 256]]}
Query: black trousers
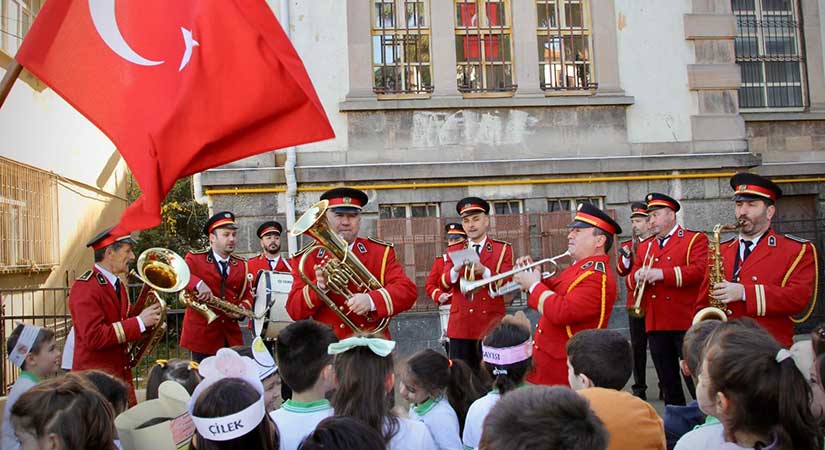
{"points": [[638, 341], [666, 350], [468, 350]]}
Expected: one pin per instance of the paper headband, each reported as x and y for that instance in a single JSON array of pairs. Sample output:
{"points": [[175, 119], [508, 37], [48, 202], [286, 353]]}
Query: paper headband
{"points": [[228, 364], [381, 347], [263, 359], [507, 355], [24, 344]]}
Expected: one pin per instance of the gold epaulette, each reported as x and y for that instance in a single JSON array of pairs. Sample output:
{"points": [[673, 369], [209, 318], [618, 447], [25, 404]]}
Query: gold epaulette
{"points": [[239, 258], [379, 241], [303, 250], [86, 276], [500, 241]]}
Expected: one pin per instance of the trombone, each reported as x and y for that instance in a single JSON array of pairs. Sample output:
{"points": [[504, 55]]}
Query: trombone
{"points": [[467, 286], [638, 309]]}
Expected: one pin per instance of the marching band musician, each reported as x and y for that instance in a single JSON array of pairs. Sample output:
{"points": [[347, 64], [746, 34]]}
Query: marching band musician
{"points": [[471, 319], [439, 294], [104, 321], [680, 261], [398, 293], [270, 258], [770, 276], [216, 272], [579, 298], [627, 261]]}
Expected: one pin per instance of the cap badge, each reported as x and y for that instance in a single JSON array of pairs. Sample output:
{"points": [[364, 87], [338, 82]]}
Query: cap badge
{"points": [[347, 200]]}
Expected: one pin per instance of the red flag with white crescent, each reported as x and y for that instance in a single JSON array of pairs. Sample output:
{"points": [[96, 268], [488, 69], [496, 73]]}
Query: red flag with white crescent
{"points": [[179, 87]]}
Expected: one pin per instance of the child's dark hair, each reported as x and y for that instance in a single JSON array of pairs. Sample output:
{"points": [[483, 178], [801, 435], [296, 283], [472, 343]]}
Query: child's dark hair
{"points": [[766, 396], [361, 391], [181, 371], [434, 372], [111, 388], [343, 433], [70, 408], [604, 356], [818, 339], [543, 417], [507, 377], [302, 353], [229, 396], [694, 343], [43, 336]]}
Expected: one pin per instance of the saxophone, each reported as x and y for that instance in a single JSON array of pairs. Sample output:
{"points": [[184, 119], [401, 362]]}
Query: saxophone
{"points": [[716, 274]]}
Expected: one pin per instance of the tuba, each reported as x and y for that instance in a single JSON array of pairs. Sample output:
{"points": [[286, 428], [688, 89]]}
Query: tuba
{"points": [[716, 274], [160, 270], [342, 272]]}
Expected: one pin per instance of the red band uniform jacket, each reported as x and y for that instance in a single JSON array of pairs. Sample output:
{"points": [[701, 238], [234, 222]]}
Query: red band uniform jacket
{"points": [[669, 303], [780, 278], [579, 298], [625, 247], [104, 326], [398, 294], [472, 319], [259, 262], [197, 335], [433, 286]]}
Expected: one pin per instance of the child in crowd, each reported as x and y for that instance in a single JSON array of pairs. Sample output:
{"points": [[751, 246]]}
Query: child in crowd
{"points": [[818, 388], [267, 371], [681, 419], [365, 380], [33, 349], [181, 371], [343, 433], [306, 367], [599, 363], [543, 417], [507, 357], [751, 384], [227, 407], [440, 391], [64, 413], [115, 391]]}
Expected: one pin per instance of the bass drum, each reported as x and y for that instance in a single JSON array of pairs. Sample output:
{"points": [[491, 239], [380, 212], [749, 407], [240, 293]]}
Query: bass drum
{"points": [[271, 292]]}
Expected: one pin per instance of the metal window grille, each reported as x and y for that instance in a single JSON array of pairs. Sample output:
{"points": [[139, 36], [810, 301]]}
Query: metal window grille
{"points": [[484, 52], [565, 45], [28, 217], [401, 211], [571, 204], [500, 207], [401, 47], [769, 52], [16, 17]]}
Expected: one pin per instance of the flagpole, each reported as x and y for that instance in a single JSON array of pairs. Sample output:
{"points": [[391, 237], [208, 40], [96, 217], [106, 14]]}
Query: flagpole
{"points": [[12, 72]]}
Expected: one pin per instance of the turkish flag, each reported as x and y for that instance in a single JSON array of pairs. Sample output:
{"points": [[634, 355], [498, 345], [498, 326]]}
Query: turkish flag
{"points": [[179, 86]]}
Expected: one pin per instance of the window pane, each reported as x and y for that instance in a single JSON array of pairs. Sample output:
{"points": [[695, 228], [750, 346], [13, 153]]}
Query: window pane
{"points": [[547, 15], [784, 96], [776, 5], [746, 25], [780, 45], [576, 48], [497, 47], [469, 77], [384, 212], [399, 212], [465, 15], [746, 46], [782, 72], [743, 5], [751, 72], [468, 48], [419, 211], [416, 49], [573, 15], [415, 15], [496, 14], [751, 97], [499, 77], [555, 205], [384, 15], [385, 50]]}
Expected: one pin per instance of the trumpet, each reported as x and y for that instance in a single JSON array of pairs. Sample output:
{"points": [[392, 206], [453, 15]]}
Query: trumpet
{"points": [[638, 309], [467, 286]]}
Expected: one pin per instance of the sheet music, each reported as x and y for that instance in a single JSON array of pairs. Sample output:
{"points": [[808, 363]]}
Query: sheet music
{"points": [[461, 257]]}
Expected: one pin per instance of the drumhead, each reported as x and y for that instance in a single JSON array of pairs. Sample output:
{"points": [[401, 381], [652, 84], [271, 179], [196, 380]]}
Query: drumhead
{"points": [[268, 286]]}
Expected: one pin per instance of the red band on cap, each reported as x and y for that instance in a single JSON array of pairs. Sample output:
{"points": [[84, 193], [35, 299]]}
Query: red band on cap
{"points": [[755, 190], [458, 232], [221, 223], [267, 230], [659, 202], [471, 207], [345, 201], [108, 240], [595, 221], [639, 211]]}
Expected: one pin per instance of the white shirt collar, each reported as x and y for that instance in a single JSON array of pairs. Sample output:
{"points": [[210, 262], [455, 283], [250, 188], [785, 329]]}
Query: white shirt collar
{"points": [[754, 240], [480, 243], [218, 258], [109, 275]]}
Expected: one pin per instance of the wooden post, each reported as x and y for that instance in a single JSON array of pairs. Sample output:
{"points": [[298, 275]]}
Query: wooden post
{"points": [[12, 72]]}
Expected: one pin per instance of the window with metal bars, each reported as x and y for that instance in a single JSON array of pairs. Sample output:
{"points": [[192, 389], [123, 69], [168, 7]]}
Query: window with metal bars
{"points": [[505, 207], [16, 17], [565, 46], [402, 211], [401, 47], [769, 53], [483, 43], [571, 204]]}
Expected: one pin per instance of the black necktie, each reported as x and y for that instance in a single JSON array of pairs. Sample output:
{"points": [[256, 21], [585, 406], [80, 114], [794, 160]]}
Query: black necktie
{"points": [[224, 275], [478, 248], [117, 288], [271, 264], [747, 252], [662, 241]]}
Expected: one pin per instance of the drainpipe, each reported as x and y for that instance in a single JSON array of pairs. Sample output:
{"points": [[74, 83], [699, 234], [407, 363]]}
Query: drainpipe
{"points": [[197, 191], [289, 165]]}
